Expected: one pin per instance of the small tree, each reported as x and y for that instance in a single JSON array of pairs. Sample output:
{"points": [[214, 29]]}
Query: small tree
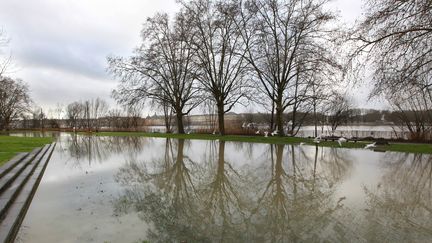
{"points": [[413, 111], [98, 109], [74, 112], [14, 100], [339, 110]]}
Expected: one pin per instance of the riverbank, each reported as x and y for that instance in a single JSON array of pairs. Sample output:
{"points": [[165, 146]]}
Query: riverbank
{"points": [[395, 147], [10, 146]]}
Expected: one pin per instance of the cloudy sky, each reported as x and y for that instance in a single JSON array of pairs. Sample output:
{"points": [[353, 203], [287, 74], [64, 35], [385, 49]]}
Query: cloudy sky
{"points": [[59, 47]]}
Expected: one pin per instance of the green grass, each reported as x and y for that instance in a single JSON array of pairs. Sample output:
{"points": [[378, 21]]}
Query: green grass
{"points": [[396, 147], [10, 146]]}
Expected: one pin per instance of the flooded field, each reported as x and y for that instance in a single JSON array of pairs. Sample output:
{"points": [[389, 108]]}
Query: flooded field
{"points": [[131, 189], [375, 131]]}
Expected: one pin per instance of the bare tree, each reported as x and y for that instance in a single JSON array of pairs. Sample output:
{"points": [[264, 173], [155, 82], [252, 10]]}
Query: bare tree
{"points": [[5, 61], [396, 37], [87, 114], [209, 109], [168, 115], [395, 41], [38, 118], [219, 50], [74, 112], [114, 117], [133, 116], [14, 100], [284, 40], [58, 111], [162, 68], [98, 110], [413, 111], [338, 110]]}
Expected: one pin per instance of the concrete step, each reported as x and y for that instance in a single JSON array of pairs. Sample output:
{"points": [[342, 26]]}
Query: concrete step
{"points": [[8, 195], [18, 196], [4, 169], [12, 174]]}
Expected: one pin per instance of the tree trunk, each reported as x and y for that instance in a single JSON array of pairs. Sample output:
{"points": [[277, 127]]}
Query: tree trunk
{"points": [[294, 117], [221, 120], [180, 127], [315, 166], [279, 119], [272, 117], [221, 160], [167, 115], [6, 124], [167, 126], [315, 119], [180, 146], [279, 170]]}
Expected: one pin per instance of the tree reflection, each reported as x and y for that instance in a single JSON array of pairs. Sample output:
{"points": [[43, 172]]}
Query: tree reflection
{"points": [[335, 163], [288, 198], [224, 204], [164, 195], [97, 149], [400, 207], [293, 206]]}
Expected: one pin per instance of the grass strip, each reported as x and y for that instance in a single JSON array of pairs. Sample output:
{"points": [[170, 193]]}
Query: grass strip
{"points": [[10, 145]]}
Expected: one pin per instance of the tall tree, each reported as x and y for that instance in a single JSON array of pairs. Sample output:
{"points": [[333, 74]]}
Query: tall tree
{"points": [[219, 50], [395, 41], [284, 39], [161, 69]]}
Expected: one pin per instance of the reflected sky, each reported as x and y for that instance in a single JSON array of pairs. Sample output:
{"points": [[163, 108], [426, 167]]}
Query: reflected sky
{"points": [[132, 189]]}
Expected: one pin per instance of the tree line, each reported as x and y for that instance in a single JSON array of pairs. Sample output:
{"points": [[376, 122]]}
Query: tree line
{"points": [[282, 55], [279, 54]]}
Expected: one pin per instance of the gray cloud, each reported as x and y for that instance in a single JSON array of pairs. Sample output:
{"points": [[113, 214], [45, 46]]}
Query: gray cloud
{"points": [[60, 47]]}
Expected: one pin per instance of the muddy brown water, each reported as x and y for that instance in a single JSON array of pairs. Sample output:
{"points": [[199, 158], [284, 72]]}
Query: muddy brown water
{"points": [[131, 189]]}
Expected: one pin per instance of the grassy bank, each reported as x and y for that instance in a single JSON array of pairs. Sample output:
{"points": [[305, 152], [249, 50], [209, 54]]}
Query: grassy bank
{"points": [[396, 147], [10, 146]]}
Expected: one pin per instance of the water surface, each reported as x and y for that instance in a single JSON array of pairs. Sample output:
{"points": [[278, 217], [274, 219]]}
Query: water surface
{"points": [[131, 189]]}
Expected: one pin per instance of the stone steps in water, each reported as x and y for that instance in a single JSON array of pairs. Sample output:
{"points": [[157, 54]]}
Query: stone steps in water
{"points": [[13, 173], [5, 168], [8, 194], [16, 198]]}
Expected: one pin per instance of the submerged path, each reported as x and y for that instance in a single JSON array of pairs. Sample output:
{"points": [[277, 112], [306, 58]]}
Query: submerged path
{"points": [[19, 179]]}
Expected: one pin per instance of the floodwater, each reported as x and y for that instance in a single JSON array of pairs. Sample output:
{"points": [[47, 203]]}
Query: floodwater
{"points": [[131, 189], [376, 131]]}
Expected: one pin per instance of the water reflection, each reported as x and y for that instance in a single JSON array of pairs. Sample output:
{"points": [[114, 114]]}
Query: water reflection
{"points": [[168, 190], [291, 199], [294, 204], [89, 148], [164, 195], [399, 207], [224, 201]]}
